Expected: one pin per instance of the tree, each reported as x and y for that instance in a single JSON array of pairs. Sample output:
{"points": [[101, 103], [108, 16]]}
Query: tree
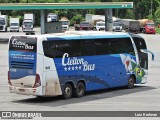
{"points": [[157, 16], [77, 19], [130, 14], [4, 1]]}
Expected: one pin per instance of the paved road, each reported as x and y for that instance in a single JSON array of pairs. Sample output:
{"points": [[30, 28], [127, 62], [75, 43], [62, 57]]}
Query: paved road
{"points": [[143, 98], [4, 35]]}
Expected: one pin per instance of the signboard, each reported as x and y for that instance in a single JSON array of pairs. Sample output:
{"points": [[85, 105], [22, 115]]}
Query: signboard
{"points": [[53, 27]]}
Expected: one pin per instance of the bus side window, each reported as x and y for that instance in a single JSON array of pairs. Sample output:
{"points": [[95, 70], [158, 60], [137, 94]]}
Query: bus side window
{"points": [[54, 49], [127, 46], [113, 46], [74, 48], [61, 47], [88, 47], [120, 46], [47, 45], [102, 47]]}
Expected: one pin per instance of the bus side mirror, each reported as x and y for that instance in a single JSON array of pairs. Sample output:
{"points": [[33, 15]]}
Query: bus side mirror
{"points": [[148, 51]]}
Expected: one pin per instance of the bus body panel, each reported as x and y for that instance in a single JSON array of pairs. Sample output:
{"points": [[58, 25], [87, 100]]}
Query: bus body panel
{"points": [[97, 71], [51, 81], [39, 67]]}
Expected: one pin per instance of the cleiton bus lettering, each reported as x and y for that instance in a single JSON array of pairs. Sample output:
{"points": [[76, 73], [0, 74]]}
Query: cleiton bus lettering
{"points": [[16, 43], [67, 61], [71, 61]]}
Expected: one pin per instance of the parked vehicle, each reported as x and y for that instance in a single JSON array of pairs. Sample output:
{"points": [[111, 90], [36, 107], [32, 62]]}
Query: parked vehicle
{"points": [[147, 26], [52, 17], [3, 22], [28, 22], [14, 24], [117, 26], [65, 23], [100, 25], [83, 26], [90, 17], [130, 25]]}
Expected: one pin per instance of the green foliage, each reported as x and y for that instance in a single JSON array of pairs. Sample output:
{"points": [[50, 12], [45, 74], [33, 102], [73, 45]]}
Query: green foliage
{"points": [[157, 16], [150, 17], [157, 30], [130, 14], [4, 1], [62, 13], [157, 21], [76, 19]]}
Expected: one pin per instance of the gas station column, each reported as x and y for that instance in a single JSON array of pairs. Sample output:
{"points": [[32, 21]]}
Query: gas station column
{"points": [[110, 21], [42, 21], [106, 19]]}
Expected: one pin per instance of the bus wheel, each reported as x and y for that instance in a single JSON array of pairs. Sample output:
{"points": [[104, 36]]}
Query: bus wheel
{"points": [[67, 93], [130, 83], [79, 90]]}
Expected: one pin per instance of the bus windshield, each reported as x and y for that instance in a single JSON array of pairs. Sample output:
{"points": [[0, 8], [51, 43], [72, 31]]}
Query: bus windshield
{"points": [[143, 57]]}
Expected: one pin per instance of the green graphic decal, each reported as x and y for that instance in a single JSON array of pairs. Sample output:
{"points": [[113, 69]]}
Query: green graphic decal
{"points": [[132, 67]]}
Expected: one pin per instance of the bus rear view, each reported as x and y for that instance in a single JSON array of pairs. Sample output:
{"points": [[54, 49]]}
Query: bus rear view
{"points": [[22, 76]]}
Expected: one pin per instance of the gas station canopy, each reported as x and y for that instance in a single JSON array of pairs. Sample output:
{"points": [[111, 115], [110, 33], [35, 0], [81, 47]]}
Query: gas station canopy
{"points": [[83, 5], [86, 5]]}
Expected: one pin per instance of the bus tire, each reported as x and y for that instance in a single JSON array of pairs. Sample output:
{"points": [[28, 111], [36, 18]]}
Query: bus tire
{"points": [[131, 82], [68, 90], [79, 90]]}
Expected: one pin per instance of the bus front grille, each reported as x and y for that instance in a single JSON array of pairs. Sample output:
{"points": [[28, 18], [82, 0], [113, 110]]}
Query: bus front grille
{"points": [[22, 65]]}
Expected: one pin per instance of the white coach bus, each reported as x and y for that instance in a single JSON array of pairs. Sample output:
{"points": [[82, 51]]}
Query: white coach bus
{"points": [[71, 63]]}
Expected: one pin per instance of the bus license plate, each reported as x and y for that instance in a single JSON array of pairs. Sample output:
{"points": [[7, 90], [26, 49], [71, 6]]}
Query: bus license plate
{"points": [[22, 90]]}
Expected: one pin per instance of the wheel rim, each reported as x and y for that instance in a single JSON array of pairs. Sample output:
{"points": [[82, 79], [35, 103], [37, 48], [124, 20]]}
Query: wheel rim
{"points": [[68, 91], [130, 83]]}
